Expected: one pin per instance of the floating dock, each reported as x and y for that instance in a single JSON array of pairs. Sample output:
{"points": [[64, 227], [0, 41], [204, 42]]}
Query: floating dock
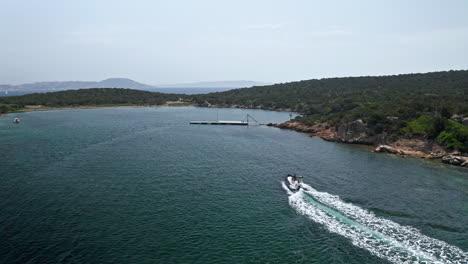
{"points": [[231, 123]]}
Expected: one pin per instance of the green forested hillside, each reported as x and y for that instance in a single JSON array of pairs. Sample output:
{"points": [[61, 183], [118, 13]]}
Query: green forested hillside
{"points": [[389, 104], [405, 96], [94, 96]]}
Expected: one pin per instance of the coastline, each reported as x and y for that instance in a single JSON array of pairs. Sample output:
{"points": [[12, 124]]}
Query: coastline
{"points": [[323, 130], [354, 133]]}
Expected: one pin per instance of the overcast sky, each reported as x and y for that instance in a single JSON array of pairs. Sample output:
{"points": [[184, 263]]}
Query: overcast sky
{"points": [[174, 41]]}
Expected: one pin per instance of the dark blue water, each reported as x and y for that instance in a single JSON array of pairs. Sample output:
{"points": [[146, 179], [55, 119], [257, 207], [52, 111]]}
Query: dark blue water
{"points": [[141, 185]]}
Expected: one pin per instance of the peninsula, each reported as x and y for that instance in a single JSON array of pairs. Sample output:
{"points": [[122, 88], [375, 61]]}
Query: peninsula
{"points": [[423, 115]]}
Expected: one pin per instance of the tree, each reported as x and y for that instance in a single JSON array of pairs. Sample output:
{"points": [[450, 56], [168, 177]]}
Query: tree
{"points": [[4, 109]]}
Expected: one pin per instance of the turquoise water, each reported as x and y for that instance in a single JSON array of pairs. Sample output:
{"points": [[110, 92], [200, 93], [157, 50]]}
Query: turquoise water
{"points": [[141, 185]]}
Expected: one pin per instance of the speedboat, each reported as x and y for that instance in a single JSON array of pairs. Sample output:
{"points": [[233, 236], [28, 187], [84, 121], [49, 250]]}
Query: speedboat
{"points": [[293, 182], [16, 120]]}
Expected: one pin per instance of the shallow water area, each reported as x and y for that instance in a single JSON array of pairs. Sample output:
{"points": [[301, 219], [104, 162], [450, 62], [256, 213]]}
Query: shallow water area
{"points": [[141, 185]]}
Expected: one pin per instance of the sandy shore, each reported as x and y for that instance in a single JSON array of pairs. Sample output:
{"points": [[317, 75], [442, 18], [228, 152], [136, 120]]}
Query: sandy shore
{"points": [[33, 108]]}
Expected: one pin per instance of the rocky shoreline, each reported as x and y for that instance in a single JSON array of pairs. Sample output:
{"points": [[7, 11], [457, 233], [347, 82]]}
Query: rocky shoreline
{"points": [[357, 132]]}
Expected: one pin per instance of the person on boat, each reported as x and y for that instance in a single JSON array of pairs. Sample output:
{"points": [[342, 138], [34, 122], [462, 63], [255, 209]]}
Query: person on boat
{"points": [[294, 177], [294, 181]]}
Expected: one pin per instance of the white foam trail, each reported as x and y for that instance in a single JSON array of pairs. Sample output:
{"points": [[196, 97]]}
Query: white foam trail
{"points": [[382, 237]]}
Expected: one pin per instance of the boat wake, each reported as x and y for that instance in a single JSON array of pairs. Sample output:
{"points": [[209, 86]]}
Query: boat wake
{"points": [[382, 237]]}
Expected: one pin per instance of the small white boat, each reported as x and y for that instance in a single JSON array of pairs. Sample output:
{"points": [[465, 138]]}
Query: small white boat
{"points": [[16, 120], [293, 182]]}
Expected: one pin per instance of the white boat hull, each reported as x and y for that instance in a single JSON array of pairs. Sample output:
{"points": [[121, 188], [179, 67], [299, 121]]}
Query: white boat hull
{"points": [[293, 185]]}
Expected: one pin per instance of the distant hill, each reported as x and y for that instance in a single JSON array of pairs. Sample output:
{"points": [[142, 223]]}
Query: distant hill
{"points": [[75, 85], [217, 84], [122, 83]]}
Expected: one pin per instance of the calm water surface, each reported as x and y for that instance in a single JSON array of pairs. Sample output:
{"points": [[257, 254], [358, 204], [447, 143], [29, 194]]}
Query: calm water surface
{"points": [[141, 185]]}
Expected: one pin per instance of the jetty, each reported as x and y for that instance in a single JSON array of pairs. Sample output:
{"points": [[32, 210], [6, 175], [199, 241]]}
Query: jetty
{"points": [[220, 122]]}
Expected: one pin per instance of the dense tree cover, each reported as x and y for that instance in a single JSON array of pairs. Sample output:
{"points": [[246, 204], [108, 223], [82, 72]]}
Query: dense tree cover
{"points": [[452, 134], [385, 103], [7, 108], [404, 96], [94, 96]]}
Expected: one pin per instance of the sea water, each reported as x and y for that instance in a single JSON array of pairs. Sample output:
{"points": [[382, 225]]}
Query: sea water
{"points": [[141, 185]]}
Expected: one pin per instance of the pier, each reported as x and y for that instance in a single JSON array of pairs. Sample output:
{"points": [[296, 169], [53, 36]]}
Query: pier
{"points": [[244, 122], [232, 123]]}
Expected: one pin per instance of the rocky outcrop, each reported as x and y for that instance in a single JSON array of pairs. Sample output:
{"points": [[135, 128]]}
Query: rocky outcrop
{"points": [[352, 132], [325, 131], [294, 126], [456, 118], [420, 144], [446, 158], [465, 121], [397, 151], [388, 149], [455, 160], [357, 132], [460, 119]]}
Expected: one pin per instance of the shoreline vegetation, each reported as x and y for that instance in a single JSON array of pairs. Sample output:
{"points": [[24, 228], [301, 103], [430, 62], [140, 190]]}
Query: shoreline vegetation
{"points": [[421, 115], [89, 99]]}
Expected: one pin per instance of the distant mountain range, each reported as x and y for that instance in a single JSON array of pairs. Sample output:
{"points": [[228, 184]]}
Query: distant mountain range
{"points": [[74, 85], [121, 83]]}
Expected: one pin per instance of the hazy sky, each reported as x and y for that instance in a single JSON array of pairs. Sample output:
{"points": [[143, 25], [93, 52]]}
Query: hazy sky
{"points": [[186, 41]]}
